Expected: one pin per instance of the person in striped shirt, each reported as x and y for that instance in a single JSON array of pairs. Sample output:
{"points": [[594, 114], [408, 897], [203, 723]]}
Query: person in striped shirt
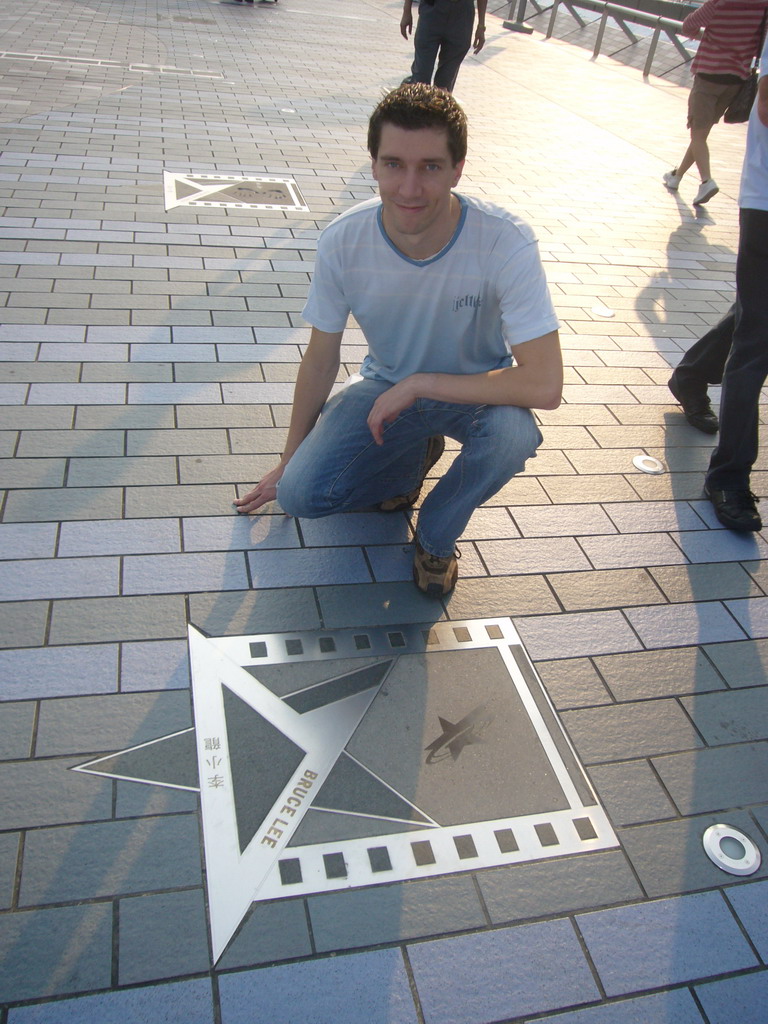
{"points": [[732, 38]]}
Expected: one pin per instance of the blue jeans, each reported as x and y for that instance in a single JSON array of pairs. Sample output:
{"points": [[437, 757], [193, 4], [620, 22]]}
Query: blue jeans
{"points": [[444, 27], [339, 467]]}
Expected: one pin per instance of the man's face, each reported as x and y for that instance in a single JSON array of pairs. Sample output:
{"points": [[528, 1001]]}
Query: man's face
{"points": [[415, 173]]}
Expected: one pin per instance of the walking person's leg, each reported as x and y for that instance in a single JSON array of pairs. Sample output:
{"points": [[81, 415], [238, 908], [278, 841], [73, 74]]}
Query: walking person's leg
{"points": [[703, 364], [728, 477], [426, 43], [455, 43]]}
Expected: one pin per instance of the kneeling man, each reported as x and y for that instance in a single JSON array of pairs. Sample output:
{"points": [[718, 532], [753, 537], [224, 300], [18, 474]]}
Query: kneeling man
{"points": [[462, 342]]}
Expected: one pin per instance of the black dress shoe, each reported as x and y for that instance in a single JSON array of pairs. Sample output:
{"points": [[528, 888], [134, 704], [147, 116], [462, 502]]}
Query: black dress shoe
{"points": [[736, 509], [696, 406]]}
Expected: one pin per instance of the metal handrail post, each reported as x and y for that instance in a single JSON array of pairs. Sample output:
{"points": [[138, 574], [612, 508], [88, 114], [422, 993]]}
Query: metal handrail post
{"points": [[553, 15], [600, 32], [652, 51], [519, 24]]}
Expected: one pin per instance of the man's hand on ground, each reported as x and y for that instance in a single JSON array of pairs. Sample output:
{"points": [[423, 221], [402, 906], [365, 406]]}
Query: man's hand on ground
{"points": [[264, 492]]}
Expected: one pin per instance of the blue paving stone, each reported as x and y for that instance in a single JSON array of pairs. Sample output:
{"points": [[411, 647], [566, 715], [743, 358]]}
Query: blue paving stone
{"points": [[666, 942], [356, 528], [304, 568], [490, 976], [59, 577], [154, 665], [729, 717], [110, 722], [77, 862], [271, 932], [576, 635], [9, 850], [239, 533], [736, 1000], [715, 778], [721, 546], [631, 793], [674, 1007], [752, 613], [183, 1002], [27, 540], [364, 988], [45, 792], [58, 671], [366, 917], [16, 725], [162, 936], [55, 951], [119, 537], [679, 625], [185, 573], [751, 905]]}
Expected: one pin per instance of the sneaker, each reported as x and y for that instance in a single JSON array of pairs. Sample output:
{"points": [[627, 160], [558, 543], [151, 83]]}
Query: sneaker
{"points": [[432, 575], [435, 448], [736, 509], [696, 406], [707, 189], [672, 180]]}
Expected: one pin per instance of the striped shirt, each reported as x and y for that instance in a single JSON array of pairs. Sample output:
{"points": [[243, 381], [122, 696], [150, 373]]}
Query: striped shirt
{"points": [[731, 35]]}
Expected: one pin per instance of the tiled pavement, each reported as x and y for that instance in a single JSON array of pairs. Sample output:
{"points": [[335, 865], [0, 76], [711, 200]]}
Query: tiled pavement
{"points": [[148, 360]]}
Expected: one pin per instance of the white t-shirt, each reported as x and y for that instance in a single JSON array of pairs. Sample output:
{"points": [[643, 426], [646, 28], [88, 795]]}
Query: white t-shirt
{"points": [[460, 312], [754, 175]]}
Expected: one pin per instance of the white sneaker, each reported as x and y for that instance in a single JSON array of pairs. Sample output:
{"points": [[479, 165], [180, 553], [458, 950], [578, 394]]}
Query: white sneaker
{"points": [[707, 189], [671, 180]]}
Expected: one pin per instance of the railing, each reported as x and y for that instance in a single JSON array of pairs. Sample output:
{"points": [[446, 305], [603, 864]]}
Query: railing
{"points": [[662, 16]]}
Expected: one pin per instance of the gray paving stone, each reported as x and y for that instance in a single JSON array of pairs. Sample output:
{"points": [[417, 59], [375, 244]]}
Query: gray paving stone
{"points": [[88, 443], [56, 505], [239, 533], [24, 624], [573, 683], [177, 442], [202, 499], [55, 951], [211, 416], [549, 887], [715, 778], [743, 663], [680, 624], [751, 614], [677, 1006], [61, 671], [153, 574], [37, 793], [513, 557], [119, 537], [188, 1001], [126, 372], [9, 851], [478, 598], [495, 975], [576, 634], [155, 665], [36, 578], [271, 932], [27, 540], [664, 942], [127, 417], [110, 619], [377, 604], [125, 471], [305, 567], [739, 999], [16, 728], [110, 722], [638, 729], [76, 394], [247, 612], [729, 717], [631, 792], [80, 862], [663, 673], [162, 936], [363, 988], [17, 417], [394, 913], [608, 588], [201, 469]]}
